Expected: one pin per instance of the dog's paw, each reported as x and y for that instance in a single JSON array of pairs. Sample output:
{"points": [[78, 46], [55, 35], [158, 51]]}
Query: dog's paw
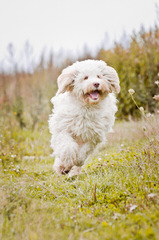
{"points": [[74, 171], [61, 169]]}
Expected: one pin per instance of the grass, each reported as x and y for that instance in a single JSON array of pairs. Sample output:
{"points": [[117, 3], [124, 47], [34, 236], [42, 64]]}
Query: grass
{"points": [[115, 197]]}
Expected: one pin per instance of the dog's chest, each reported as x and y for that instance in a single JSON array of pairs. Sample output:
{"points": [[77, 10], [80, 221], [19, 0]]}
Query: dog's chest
{"points": [[89, 125]]}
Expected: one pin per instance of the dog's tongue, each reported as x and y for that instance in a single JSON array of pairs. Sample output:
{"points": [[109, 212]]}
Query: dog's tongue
{"points": [[94, 95]]}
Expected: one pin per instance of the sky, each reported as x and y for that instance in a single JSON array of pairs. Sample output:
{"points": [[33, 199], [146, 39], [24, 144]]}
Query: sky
{"points": [[69, 25]]}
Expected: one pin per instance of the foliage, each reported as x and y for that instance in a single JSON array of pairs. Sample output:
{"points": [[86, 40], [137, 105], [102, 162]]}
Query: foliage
{"points": [[138, 67]]}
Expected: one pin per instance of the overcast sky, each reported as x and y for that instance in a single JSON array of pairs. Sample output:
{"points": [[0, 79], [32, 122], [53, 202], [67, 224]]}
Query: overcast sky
{"points": [[69, 24]]}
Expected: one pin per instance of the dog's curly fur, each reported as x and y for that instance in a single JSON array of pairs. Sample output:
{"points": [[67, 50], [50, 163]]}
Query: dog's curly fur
{"points": [[83, 114]]}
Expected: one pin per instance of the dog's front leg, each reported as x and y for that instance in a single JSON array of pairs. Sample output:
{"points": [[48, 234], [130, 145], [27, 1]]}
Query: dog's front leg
{"points": [[75, 170], [65, 152]]}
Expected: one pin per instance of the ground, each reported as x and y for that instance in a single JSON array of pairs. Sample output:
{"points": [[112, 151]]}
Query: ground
{"points": [[115, 197]]}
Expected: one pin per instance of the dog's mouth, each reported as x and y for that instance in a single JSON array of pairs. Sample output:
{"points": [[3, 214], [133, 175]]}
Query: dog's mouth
{"points": [[94, 95]]}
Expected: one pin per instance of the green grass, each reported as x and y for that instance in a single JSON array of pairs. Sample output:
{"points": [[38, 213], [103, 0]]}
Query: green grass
{"points": [[109, 200]]}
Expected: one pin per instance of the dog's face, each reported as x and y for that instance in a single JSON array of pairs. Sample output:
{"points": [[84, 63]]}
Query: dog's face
{"points": [[90, 81]]}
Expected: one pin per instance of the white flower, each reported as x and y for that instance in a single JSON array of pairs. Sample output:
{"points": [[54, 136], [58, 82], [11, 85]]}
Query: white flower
{"points": [[116, 216], [149, 115], [141, 109], [131, 91], [152, 195], [132, 207], [156, 97], [157, 83]]}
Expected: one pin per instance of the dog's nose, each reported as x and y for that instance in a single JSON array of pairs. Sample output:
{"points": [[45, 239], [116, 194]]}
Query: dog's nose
{"points": [[96, 85]]}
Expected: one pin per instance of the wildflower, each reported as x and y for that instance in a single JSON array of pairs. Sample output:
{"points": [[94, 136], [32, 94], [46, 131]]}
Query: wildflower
{"points": [[149, 115], [15, 113], [141, 109], [116, 216], [131, 207], [157, 83], [156, 97], [131, 91], [17, 168], [152, 195]]}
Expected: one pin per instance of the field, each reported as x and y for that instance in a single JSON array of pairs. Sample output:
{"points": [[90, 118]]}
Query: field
{"points": [[117, 194], [115, 197]]}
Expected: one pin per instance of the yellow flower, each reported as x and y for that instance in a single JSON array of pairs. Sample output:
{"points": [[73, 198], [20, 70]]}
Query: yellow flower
{"points": [[15, 113]]}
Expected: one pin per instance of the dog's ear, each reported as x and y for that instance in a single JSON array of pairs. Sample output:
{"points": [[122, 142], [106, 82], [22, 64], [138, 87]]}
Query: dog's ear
{"points": [[66, 79], [113, 79]]}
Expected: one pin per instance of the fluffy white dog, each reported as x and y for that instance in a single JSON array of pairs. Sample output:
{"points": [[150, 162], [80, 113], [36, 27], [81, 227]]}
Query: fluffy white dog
{"points": [[83, 114]]}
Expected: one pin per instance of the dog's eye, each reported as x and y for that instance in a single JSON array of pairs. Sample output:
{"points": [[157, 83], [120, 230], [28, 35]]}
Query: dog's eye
{"points": [[98, 76], [86, 77]]}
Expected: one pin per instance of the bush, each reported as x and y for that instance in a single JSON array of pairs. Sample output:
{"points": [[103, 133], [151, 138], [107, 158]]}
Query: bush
{"points": [[138, 67]]}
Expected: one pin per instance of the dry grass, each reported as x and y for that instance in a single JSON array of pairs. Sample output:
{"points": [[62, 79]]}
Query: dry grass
{"points": [[130, 131]]}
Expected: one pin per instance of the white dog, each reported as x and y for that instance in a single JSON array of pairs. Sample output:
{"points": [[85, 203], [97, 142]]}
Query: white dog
{"points": [[83, 114]]}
